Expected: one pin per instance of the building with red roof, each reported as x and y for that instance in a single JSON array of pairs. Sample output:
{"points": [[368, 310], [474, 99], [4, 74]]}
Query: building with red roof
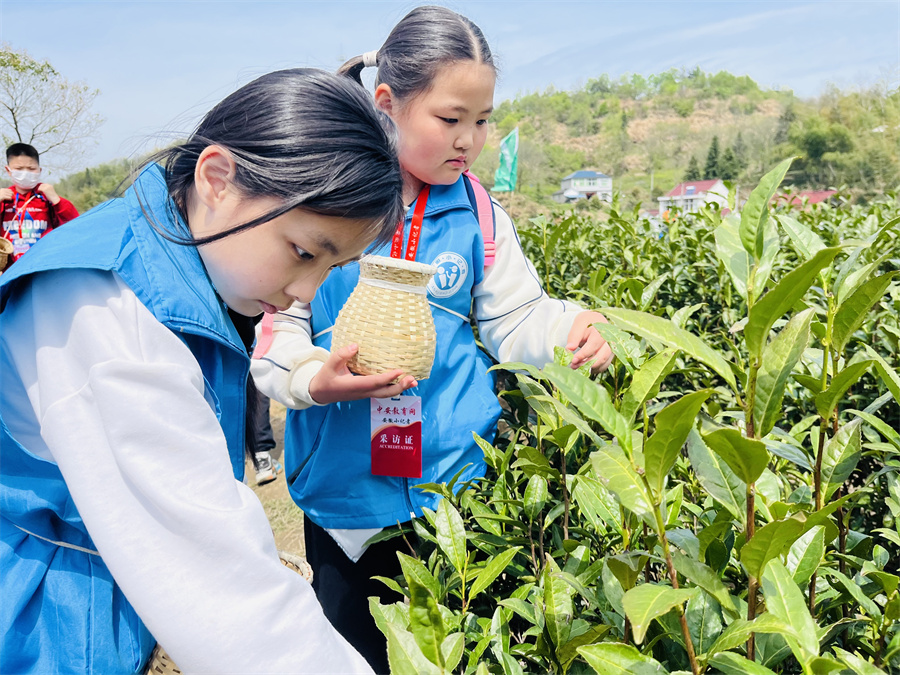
{"points": [[804, 198], [693, 194]]}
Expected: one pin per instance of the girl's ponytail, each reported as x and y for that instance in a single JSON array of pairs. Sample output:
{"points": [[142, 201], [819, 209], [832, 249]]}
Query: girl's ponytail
{"points": [[354, 67]]}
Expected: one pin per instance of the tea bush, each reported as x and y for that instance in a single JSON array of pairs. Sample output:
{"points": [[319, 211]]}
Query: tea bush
{"points": [[726, 499]]}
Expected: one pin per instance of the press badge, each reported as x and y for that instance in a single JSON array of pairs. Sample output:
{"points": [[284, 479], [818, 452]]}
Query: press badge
{"points": [[397, 436]]}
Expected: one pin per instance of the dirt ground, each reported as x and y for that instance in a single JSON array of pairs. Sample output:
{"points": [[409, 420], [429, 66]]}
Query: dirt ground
{"points": [[284, 516]]}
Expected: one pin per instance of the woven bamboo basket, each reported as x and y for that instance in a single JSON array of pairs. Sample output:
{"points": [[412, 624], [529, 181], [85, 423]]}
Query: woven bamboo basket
{"points": [[6, 250], [162, 664], [388, 316]]}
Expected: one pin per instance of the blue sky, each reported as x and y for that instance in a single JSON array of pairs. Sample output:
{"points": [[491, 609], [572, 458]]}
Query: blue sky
{"points": [[159, 64]]}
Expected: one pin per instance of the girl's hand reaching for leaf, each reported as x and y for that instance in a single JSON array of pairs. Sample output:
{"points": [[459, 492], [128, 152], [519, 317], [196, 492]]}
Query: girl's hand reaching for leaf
{"points": [[586, 339]]}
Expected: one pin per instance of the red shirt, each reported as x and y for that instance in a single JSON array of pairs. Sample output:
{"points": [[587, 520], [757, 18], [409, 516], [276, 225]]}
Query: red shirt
{"points": [[29, 216]]}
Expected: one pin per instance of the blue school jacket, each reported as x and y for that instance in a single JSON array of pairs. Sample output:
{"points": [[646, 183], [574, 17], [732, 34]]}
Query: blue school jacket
{"points": [[328, 448], [61, 610]]}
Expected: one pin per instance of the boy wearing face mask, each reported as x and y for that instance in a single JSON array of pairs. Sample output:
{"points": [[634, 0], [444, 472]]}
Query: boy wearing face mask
{"points": [[29, 209]]}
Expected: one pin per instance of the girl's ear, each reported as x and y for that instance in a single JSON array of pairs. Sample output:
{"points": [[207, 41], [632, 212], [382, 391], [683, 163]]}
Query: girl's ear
{"points": [[214, 175], [384, 98]]}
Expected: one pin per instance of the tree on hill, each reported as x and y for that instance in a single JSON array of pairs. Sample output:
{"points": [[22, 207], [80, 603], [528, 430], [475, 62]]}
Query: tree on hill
{"points": [[711, 169], [40, 107], [693, 170], [729, 168], [740, 152]]}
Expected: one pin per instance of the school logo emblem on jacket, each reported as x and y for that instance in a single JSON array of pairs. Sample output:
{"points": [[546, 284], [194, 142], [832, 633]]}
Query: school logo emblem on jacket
{"points": [[452, 272]]}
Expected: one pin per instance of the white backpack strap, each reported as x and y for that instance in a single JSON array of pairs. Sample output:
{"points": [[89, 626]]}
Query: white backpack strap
{"points": [[485, 212]]}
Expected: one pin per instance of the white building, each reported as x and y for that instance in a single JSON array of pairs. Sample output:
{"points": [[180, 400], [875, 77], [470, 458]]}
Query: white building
{"points": [[690, 196], [584, 185]]}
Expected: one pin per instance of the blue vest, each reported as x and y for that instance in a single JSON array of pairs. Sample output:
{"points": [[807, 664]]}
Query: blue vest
{"points": [[61, 610], [328, 448]]}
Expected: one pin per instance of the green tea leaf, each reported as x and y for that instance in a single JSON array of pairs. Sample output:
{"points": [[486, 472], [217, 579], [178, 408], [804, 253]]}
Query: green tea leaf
{"points": [[681, 315], [597, 504], [415, 571], [591, 399], [535, 497], [853, 311], [515, 366], [840, 456], [768, 543], [857, 664], [880, 426], [731, 253], [495, 567], [778, 360], [532, 461], [889, 582], [536, 395], [785, 600], [426, 623], [716, 478], [756, 211], [568, 414], [673, 423], [646, 381], [385, 614], [569, 651], [729, 663], [452, 649], [704, 620], [404, 655], [649, 293], [662, 330], [791, 288], [451, 534], [648, 601], [626, 349], [558, 607], [888, 375], [613, 658], [618, 475], [740, 630], [805, 241], [806, 554], [840, 383], [627, 567], [747, 457], [703, 576], [760, 277], [865, 602]]}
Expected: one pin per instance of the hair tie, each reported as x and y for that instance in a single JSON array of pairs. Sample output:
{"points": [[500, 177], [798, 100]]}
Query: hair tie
{"points": [[370, 59]]}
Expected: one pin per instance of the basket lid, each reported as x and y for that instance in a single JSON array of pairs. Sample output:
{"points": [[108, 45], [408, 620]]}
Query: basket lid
{"points": [[398, 264]]}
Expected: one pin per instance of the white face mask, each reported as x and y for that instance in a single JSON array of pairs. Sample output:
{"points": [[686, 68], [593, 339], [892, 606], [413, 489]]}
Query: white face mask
{"points": [[24, 180]]}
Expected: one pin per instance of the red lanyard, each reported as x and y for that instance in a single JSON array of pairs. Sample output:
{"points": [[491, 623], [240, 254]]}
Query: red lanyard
{"points": [[415, 229]]}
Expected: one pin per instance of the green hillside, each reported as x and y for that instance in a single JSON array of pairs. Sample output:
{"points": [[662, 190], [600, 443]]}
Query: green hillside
{"points": [[644, 132], [650, 133]]}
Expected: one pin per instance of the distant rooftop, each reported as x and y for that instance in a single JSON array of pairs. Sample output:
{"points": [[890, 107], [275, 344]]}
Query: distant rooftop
{"points": [[811, 196], [586, 174], [692, 187]]}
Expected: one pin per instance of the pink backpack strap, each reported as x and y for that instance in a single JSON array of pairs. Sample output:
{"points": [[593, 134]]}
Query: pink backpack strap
{"points": [[266, 335], [485, 217]]}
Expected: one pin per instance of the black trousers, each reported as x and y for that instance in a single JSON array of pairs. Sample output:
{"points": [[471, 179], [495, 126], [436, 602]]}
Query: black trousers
{"points": [[265, 439], [343, 588]]}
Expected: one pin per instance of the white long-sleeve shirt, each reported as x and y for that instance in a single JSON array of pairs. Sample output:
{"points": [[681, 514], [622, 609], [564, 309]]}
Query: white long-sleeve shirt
{"points": [[93, 382], [517, 321]]}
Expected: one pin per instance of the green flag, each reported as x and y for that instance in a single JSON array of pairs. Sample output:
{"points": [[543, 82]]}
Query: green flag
{"points": [[505, 178]]}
